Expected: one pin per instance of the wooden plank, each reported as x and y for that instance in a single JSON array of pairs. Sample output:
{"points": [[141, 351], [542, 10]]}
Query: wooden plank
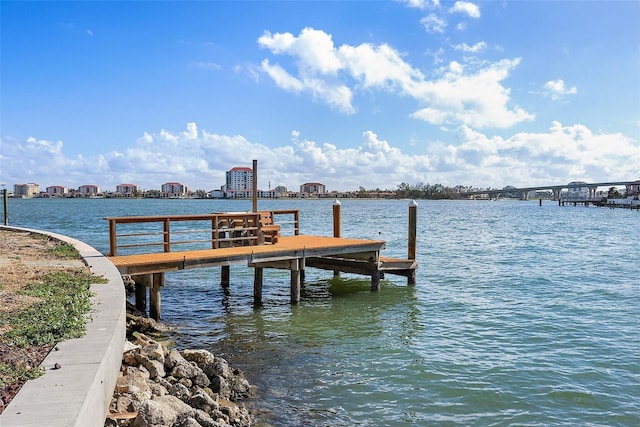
{"points": [[288, 247]]}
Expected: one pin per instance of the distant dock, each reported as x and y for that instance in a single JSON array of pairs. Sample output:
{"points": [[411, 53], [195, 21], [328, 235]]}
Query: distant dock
{"points": [[155, 245]]}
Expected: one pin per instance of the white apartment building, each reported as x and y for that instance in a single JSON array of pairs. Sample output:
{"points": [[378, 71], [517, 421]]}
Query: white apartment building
{"points": [[239, 179], [89, 190], [174, 189], [57, 191], [26, 190], [128, 190], [312, 188]]}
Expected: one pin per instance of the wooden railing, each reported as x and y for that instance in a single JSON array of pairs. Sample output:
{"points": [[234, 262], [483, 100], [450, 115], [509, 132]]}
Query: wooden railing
{"points": [[148, 234]]}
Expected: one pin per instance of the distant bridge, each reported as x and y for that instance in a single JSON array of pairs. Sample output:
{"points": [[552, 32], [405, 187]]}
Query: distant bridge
{"points": [[556, 189]]}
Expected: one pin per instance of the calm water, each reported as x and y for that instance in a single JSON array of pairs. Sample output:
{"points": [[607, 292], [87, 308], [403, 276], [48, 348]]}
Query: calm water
{"points": [[522, 315]]}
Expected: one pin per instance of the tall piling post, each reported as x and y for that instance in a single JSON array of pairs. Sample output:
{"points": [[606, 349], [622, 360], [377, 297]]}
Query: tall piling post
{"points": [[412, 238], [337, 225]]}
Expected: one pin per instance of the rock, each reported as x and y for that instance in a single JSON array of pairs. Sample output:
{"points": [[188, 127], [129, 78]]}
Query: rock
{"points": [[129, 346], [185, 370], [221, 368], [173, 358], [157, 389], [189, 422], [162, 411], [152, 358], [219, 385], [201, 380], [201, 400], [201, 358], [181, 391], [153, 351], [205, 419]]}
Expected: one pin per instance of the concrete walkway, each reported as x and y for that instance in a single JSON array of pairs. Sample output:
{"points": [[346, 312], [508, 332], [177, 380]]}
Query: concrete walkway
{"points": [[79, 393]]}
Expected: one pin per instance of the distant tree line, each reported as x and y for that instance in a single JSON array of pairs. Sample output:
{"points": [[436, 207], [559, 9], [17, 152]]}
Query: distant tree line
{"points": [[429, 191]]}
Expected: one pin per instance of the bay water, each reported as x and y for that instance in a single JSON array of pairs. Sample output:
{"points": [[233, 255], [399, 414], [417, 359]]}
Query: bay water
{"points": [[521, 315]]}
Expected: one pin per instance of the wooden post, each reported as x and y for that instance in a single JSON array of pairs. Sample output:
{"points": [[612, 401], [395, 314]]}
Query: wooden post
{"points": [[337, 218], [258, 273], [113, 243], [167, 236], [254, 193], [413, 221], [375, 280], [337, 226], [412, 239], [295, 282], [142, 281], [224, 276], [540, 202], [6, 206], [154, 296]]}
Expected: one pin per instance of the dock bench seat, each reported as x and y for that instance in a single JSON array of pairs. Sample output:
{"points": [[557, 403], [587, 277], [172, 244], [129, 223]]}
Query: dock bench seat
{"points": [[269, 231]]}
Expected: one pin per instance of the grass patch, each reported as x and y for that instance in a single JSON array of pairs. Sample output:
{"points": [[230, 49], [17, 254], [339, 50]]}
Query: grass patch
{"points": [[64, 250], [63, 302]]}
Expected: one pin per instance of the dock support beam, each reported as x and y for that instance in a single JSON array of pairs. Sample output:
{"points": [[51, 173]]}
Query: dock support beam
{"points": [[154, 296], [296, 271], [142, 283], [257, 286], [224, 276], [375, 280]]}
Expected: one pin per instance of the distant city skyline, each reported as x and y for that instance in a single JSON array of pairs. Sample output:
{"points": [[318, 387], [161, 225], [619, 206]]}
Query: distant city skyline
{"points": [[348, 94]]}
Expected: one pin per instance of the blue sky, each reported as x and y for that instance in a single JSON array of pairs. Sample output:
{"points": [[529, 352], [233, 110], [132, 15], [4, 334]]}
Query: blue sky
{"points": [[347, 93]]}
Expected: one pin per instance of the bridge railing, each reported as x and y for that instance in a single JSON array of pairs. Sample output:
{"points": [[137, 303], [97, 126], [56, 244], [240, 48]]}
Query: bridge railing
{"points": [[166, 233]]}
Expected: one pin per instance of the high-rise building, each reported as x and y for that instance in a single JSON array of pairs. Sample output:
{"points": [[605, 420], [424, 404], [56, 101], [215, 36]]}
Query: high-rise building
{"points": [[26, 190], [239, 179]]}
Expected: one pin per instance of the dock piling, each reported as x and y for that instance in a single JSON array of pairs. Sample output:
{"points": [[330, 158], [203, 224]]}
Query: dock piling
{"points": [[142, 283], [337, 226], [224, 276], [257, 286], [154, 296]]}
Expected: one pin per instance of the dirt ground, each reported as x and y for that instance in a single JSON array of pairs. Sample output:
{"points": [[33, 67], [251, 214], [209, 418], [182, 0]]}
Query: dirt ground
{"points": [[23, 259]]}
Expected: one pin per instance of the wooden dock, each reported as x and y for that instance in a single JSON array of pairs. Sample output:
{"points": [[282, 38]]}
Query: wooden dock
{"points": [[256, 239]]}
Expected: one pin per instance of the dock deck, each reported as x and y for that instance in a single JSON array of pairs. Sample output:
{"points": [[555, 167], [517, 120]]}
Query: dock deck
{"points": [[287, 248]]}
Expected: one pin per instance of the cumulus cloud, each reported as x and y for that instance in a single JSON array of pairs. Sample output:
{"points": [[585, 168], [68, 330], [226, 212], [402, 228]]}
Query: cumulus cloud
{"points": [[433, 23], [199, 159], [422, 4], [467, 8], [472, 95], [476, 48], [556, 89], [475, 98]]}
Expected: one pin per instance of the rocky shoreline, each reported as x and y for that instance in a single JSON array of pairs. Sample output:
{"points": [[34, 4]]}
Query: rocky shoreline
{"points": [[162, 386]]}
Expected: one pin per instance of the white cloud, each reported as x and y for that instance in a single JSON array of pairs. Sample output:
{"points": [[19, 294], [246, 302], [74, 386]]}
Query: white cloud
{"points": [[474, 98], [556, 89], [422, 4], [206, 65], [333, 75], [465, 7], [432, 23], [476, 48], [199, 159]]}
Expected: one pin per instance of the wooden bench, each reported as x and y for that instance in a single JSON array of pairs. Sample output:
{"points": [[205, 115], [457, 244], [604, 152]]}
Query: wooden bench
{"points": [[269, 231]]}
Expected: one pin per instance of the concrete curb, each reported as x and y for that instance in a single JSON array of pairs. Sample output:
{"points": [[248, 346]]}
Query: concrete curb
{"points": [[79, 393]]}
